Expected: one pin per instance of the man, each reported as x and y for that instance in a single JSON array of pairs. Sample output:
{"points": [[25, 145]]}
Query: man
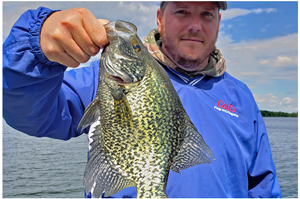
{"points": [[41, 99]]}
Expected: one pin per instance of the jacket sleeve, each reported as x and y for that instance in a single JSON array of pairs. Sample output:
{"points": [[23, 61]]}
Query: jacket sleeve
{"points": [[39, 97], [262, 177]]}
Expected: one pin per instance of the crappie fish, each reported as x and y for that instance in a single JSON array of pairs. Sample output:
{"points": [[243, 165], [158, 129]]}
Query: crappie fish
{"points": [[144, 130]]}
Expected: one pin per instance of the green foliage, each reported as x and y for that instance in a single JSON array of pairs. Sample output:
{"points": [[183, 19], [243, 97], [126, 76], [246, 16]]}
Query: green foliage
{"points": [[278, 114]]}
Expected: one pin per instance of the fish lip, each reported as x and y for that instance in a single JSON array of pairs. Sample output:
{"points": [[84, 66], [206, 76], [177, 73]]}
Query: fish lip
{"points": [[124, 57]]}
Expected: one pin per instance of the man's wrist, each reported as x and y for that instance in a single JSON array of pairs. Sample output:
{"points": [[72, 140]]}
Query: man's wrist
{"points": [[34, 35]]}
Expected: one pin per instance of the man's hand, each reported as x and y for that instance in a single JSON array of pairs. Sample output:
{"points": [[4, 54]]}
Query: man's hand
{"points": [[72, 36]]}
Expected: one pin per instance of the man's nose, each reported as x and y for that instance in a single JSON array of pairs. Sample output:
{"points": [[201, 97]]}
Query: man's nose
{"points": [[195, 24]]}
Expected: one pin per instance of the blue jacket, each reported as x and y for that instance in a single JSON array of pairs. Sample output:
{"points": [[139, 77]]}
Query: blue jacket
{"points": [[41, 98]]}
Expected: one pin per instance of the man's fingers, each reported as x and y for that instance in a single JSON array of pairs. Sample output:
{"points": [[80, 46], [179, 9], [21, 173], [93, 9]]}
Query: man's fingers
{"points": [[84, 41], [72, 36], [63, 58], [95, 30], [68, 61], [71, 47]]}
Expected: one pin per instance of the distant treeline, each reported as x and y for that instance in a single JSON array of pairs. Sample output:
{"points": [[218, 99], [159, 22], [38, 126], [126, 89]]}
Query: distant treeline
{"points": [[277, 114]]}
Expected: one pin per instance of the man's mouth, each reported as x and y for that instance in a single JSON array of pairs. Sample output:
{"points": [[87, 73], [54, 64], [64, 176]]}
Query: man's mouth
{"points": [[192, 39]]}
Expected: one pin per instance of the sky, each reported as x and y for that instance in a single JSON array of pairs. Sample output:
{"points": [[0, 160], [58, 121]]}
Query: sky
{"points": [[259, 41]]}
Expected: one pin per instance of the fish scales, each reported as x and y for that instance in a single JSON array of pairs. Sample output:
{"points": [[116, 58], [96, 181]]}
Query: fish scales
{"points": [[144, 131], [145, 150]]}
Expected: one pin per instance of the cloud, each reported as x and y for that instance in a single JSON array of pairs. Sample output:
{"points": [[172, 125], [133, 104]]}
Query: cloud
{"points": [[142, 14], [261, 60], [268, 98], [258, 98], [223, 39], [265, 65], [281, 60], [287, 100], [236, 12], [271, 102]]}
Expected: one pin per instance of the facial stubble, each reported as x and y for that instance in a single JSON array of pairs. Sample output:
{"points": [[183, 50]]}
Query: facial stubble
{"points": [[188, 63]]}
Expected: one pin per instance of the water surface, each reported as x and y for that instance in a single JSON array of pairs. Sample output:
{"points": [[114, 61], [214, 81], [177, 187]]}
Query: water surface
{"points": [[47, 168]]}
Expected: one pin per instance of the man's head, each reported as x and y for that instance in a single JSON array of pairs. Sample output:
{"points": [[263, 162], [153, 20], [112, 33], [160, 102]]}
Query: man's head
{"points": [[189, 31]]}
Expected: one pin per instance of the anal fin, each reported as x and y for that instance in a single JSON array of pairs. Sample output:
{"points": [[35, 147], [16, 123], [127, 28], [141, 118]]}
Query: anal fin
{"points": [[101, 175]]}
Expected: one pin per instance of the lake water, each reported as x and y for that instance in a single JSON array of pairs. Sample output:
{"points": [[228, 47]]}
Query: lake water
{"points": [[283, 136], [48, 168]]}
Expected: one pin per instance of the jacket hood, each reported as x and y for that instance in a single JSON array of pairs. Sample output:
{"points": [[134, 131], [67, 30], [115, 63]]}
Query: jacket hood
{"points": [[216, 64]]}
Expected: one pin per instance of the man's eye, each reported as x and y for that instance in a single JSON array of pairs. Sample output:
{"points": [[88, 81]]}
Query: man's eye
{"points": [[207, 13], [181, 12]]}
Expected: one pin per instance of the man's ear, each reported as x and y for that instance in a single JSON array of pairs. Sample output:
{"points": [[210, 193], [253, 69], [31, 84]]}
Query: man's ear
{"points": [[158, 19], [220, 16]]}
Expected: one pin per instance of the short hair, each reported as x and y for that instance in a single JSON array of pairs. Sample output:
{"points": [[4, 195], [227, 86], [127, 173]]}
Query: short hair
{"points": [[163, 6]]}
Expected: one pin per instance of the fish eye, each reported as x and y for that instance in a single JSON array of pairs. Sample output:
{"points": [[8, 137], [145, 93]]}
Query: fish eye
{"points": [[136, 47]]}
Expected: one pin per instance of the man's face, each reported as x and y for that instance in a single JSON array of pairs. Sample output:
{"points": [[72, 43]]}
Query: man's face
{"points": [[189, 31]]}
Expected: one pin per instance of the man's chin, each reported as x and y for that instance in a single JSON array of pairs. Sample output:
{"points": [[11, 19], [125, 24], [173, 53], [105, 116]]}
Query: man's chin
{"points": [[191, 64], [188, 64]]}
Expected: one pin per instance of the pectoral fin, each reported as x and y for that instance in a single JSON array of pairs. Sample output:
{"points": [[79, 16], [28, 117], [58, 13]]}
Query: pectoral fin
{"points": [[193, 150], [91, 114], [123, 111]]}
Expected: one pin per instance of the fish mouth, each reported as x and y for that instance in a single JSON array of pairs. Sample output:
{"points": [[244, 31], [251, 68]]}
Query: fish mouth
{"points": [[117, 79]]}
